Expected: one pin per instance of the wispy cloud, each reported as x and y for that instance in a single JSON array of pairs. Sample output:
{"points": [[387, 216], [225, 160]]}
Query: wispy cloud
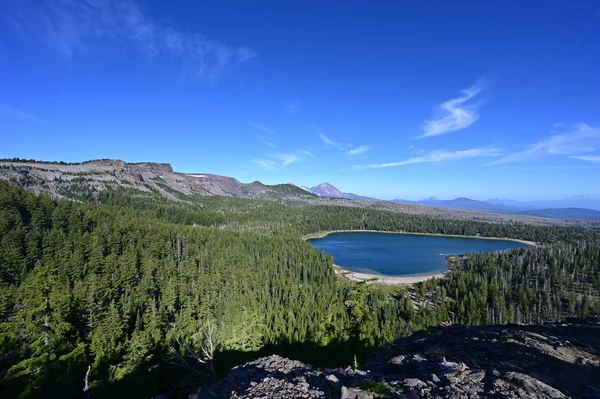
{"points": [[572, 140], [281, 160], [589, 158], [265, 163], [455, 114], [267, 136], [436, 156], [263, 128], [306, 152], [293, 108], [358, 150], [287, 159], [332, 143], [70, 26], [20, 114], [266, 140]]}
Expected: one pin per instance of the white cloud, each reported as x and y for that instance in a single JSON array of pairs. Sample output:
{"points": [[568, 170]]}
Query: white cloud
{"points": [[575, 140], [265, 163], [293, 108], [358, 150], [331, 143], [263, 128], [436, 156], [282, 160], [341, 146], [306, 152], [73, 26], [20, 114], [456, 114], [266, 140], [269, 134], [589, 158], [287, 159]]}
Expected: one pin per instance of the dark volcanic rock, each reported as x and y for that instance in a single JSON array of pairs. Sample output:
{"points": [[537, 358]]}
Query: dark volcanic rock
{"points": [[271, 377], [551, 361]]}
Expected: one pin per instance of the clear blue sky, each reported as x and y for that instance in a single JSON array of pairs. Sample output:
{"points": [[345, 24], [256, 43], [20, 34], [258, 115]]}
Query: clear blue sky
{"points": [[382, 98]]}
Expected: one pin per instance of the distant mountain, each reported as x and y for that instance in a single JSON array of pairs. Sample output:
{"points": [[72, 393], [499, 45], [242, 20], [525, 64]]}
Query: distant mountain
{"points": [[503, 201], [565, 213], [467, 203], [328, 190], [559, 209], [463, 203], [577, 201]]}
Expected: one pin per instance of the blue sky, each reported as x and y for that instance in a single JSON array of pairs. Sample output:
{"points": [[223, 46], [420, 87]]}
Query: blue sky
{"points": [[388, 99]]}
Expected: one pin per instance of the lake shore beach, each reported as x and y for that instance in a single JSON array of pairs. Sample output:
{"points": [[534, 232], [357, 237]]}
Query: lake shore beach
{"points": [[389, 280]]}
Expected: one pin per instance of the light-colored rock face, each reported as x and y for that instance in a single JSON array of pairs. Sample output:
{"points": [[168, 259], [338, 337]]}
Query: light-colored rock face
{"points": [[64, 180]]}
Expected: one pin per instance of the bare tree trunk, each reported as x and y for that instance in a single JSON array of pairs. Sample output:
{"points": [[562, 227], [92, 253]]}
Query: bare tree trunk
{"points": [[86, 385]]}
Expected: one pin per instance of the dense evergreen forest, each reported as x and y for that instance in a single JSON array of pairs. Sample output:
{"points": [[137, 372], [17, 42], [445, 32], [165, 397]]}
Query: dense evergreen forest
{"points": [[121, 296]]}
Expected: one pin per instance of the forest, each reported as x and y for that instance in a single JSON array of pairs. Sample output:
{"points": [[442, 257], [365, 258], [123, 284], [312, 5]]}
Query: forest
{"points": [[115, 295]]}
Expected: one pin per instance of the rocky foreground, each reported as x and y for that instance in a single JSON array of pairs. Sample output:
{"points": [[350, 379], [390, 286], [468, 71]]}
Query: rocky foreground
{"points": [[552, 361]]}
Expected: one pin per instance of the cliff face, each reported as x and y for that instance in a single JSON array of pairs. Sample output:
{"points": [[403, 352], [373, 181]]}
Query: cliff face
{"points": [[76, 180], [552, 361]]}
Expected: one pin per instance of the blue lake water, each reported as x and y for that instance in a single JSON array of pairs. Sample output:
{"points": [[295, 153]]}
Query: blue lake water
{"points": [[401, 254]]}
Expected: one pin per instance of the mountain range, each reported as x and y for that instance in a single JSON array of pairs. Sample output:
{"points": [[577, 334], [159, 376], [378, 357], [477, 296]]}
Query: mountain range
{"points": [[327, 190], [88, 179], [577, 207]]}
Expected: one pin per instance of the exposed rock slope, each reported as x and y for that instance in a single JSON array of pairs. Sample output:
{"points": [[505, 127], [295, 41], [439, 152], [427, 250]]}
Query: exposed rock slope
{"points": [[65, 180], [557, 361]]}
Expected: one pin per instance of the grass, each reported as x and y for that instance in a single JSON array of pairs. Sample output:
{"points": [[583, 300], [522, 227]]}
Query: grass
{"points": [[379, 389]]}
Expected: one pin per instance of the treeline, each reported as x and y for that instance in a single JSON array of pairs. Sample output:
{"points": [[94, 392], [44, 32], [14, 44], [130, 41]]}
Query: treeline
{"points": [[137, 296], [528, 285], [255, 215]]}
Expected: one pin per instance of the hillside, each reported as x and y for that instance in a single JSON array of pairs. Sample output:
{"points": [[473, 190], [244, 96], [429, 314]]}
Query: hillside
{"points": [[97, 180], [552, 361], [125, 291], [87, 179]]}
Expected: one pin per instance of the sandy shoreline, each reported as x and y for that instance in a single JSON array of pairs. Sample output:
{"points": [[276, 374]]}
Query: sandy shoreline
{"points": [[326, 233], [389, 280]]}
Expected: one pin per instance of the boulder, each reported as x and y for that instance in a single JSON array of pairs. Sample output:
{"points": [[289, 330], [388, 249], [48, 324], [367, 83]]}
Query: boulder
{"points": [[533, 387]]}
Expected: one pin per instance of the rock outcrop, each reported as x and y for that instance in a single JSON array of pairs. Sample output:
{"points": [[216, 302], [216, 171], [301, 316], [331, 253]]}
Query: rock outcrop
{"points": [[551, 361], [76, 180]]}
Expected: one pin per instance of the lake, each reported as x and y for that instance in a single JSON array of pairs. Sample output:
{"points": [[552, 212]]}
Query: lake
{"points": [[401, 254]]}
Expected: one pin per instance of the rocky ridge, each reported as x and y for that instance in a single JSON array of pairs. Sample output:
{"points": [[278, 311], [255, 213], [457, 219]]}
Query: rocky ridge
{"points": [[87, 180], [551, 361], [66, 179]]}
